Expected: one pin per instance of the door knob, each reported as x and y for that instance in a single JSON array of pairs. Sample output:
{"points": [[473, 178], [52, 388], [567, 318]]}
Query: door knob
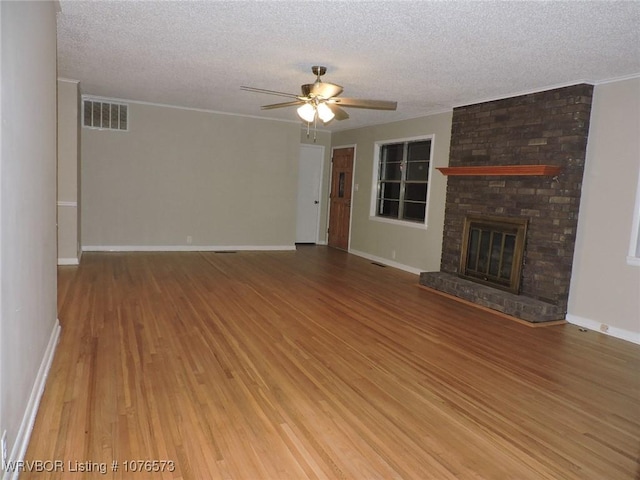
{"points": [[316, 202]]}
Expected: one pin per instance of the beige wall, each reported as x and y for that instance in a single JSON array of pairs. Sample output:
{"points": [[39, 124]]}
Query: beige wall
{"points": [[225, 181], [416, 249], [28, 324], [68, 169], [605, 289]]}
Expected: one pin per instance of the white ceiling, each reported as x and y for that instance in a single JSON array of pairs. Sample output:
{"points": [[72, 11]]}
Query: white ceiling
{"points": [[428, 56]]}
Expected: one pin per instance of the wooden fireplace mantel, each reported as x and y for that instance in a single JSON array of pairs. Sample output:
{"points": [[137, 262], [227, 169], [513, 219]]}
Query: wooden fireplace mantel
{"points": [[510, 170]]}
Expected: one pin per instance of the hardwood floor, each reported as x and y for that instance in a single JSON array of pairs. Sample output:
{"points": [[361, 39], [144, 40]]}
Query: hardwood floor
{"points": [[320, 364]]}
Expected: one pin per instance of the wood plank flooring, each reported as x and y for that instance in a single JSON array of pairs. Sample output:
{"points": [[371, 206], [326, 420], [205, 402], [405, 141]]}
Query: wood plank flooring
{"points": [[319, 364]]}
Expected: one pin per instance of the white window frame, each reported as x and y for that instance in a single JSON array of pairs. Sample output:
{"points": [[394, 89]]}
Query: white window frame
{"points": [[376, 174], [634, 244]]}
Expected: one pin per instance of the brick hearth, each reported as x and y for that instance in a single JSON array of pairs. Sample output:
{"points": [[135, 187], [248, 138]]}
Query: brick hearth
{"points": [[519, 306]]}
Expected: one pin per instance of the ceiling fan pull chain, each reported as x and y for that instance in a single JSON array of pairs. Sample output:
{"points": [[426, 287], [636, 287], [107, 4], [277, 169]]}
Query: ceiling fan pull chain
{"points": [[315, 126]]}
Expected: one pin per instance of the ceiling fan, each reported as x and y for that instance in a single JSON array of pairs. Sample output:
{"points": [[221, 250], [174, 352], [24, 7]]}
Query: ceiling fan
{"points": [[321, 100]]}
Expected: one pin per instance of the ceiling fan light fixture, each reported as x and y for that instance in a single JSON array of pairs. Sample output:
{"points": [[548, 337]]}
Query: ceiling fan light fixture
{"points": [[325, 113], [320, 100], [306, 112]]}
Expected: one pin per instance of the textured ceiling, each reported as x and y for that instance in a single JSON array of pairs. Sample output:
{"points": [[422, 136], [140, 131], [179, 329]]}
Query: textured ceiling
{"points": [[428, 56]]}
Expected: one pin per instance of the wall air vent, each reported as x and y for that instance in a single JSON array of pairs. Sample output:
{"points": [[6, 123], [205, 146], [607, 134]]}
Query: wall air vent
{"points": [[105, 114]]}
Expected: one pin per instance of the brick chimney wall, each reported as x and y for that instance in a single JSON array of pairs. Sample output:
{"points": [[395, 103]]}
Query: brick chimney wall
{"points": [[549, 128]]}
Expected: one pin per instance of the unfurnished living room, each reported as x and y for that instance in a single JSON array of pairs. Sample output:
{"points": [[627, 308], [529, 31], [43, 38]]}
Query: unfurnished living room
{"points": [[320, 240]]}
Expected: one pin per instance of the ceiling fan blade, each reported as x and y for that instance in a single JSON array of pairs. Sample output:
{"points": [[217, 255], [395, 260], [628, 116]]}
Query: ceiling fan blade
{"points": [[280, 105], [364, 103], [270, 92], [325, 90], [340, 114]]}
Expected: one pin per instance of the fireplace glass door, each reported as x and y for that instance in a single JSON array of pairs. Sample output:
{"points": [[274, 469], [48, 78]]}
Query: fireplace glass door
{"points": [[492, 251]]}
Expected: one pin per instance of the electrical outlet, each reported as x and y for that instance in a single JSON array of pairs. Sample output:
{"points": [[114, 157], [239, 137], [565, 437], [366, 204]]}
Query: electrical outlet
{"points": [[189, 239], [393, 254], [3, 446]]}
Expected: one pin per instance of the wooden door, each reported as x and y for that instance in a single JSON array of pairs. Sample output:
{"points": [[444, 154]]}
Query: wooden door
{"points": [[340, 198]]}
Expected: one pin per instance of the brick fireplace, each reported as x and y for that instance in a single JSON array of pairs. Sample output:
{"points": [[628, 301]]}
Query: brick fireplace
{"points": [[518, 159]]}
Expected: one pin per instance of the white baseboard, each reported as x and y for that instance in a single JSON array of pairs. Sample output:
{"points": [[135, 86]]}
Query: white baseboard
{"points": [[184, 248], [68, 261], [390, 263], [19, 448], [605, 329]]}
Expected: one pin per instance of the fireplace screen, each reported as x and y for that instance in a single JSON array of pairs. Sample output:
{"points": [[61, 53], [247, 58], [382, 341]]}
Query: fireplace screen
{"points": [[492, 251]]}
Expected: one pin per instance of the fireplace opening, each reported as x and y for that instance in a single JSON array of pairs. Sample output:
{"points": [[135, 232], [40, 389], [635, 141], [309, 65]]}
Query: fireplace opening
{"points": [[493, 251]]}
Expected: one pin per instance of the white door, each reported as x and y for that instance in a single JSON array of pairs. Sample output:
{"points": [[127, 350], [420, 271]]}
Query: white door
{"points": [[309, 187]]}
